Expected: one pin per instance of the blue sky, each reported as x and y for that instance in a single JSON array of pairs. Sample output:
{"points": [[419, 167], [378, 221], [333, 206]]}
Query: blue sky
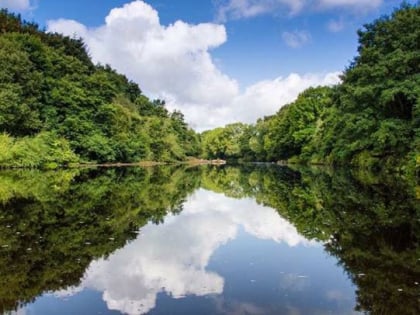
{"points": [[224, 60]]}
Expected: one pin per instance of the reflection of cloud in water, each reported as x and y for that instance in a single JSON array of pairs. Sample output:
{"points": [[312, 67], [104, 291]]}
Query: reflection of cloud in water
{"points": [[172, 257]]}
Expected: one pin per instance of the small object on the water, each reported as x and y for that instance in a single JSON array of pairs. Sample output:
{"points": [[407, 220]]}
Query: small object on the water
{"points": [[302, 276], [252, 280]]}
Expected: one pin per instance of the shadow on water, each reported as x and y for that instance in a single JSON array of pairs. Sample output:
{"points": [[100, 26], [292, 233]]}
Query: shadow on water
{"points": [[53, 224]]}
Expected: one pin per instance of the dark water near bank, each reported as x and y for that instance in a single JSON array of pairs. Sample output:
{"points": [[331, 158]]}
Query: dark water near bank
{"points": [[208, 240]]}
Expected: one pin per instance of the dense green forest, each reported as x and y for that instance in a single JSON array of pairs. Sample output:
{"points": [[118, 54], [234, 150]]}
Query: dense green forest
{"points": [[371, 119], [57, 107]]}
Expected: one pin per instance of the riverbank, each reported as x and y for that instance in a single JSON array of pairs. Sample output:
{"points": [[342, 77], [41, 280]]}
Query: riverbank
{"points": [[52, 166]]}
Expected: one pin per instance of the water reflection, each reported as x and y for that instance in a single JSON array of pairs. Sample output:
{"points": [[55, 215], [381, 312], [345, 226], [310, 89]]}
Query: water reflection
{"points": [[173, 257], [53, 224], [222, 250]]}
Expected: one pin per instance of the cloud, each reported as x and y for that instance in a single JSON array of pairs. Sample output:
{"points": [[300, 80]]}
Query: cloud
{"points": [[19, 5], [357, 4], [174, 63], [296, 39], [335, 26], [258, 100], [237, 9], [173, 257]]}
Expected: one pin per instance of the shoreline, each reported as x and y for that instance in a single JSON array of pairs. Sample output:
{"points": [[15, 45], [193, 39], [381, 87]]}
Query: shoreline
{"points": [[192, 162]]}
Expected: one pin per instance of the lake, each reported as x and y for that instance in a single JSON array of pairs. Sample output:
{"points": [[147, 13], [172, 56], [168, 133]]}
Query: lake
{"points": [[246, 239]]}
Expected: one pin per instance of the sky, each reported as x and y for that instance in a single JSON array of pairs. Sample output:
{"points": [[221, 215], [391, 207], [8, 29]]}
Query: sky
{"points": [[218, 61]]}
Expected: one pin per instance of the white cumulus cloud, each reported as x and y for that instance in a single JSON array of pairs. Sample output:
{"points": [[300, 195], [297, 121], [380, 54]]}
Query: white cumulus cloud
{"points": [[174, 62], [18, 5]]}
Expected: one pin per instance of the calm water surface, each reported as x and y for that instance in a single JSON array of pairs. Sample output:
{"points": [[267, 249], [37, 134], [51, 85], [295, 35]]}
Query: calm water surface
{"points": [[208, 240]]}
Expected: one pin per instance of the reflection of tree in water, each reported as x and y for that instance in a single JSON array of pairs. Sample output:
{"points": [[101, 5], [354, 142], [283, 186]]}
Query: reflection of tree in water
{"points": [[53, 224], [370, 223]]}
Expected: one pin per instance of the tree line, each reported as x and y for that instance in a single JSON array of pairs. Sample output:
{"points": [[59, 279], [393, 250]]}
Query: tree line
{"points": [[57, 107], [371, 119]]}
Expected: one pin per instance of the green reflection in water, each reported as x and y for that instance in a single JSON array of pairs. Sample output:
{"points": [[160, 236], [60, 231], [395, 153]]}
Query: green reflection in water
{"points": [[53, 224], [371, 223]]}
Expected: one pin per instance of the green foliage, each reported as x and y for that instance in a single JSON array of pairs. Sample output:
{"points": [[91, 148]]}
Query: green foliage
{"points": [[371, 119], [45, 150], [230, 142], [49, 84]]}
